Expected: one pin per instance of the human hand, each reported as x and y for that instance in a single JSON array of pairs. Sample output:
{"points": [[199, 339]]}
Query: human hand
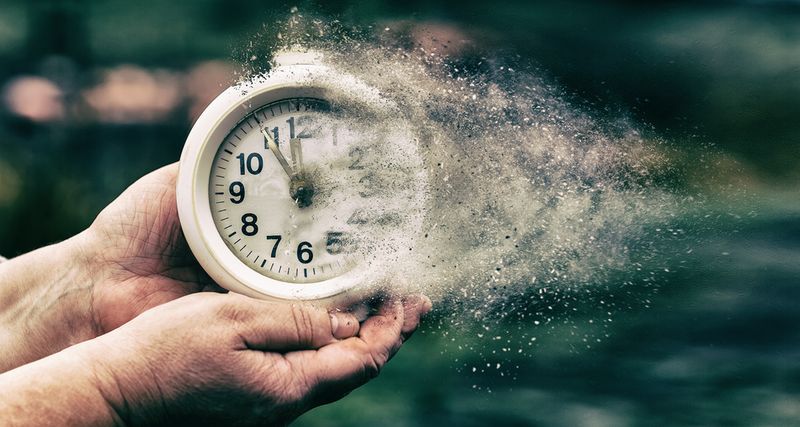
{"points": [[211, 359], [139, 254], [133, 257]]}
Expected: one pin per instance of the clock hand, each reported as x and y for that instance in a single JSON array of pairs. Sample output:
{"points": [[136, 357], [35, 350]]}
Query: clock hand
{"points": [[297, 155], [300, 188], [270, 142]]}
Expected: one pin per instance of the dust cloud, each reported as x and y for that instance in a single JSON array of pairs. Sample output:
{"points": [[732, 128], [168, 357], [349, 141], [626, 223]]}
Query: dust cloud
{"points": [[533, 199]]}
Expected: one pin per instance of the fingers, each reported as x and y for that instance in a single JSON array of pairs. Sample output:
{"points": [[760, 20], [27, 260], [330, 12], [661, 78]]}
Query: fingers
{"points": [[334, 370], [151, 186], [381, 333], [165, 175], [414, 306], [279, 327]]}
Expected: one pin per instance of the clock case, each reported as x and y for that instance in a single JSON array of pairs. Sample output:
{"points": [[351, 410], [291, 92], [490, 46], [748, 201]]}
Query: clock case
{"points": [[296, 75]]}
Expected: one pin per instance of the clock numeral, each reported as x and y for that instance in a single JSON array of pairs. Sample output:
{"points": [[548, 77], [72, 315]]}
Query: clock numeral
{"points": [[291, 127], [304, 254], [237, 191], [357, 153], [304, 133], [249, 226], [253, 164], [277, 239], [357, 217], [369, 183], [275, 137], [337, 242], [392, 218]]}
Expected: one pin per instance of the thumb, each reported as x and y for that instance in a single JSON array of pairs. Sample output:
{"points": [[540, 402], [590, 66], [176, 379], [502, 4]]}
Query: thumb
{"points": [[287, 326]]}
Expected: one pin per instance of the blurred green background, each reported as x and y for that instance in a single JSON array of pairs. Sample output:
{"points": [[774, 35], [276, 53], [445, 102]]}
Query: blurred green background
{"points": [[96, 94]]}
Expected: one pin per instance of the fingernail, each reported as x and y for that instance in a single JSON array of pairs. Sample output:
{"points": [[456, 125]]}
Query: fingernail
{"points": [[334, 324], [343, 325]]}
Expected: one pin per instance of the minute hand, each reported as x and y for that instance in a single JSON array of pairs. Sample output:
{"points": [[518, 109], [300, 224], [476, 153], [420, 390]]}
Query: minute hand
{"points": [[275, 150], [297, 155]]}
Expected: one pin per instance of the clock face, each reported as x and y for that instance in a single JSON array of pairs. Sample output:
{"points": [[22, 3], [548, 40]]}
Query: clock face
{"points": [[302, 191]]}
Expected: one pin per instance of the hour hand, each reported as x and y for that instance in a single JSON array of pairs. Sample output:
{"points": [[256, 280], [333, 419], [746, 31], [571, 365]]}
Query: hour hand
{"points": [[297, 155], [300, 186]]}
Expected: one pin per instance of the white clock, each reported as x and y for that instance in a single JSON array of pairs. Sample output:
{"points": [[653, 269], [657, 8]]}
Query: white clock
{"points": [[302, 184]]}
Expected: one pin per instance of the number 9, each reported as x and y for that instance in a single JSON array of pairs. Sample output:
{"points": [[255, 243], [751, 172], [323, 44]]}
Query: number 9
{"points": [[237, 191]]}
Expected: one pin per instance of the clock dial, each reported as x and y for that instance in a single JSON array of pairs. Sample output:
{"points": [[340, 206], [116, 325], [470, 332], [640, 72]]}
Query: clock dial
{"points": [[303, 192]]}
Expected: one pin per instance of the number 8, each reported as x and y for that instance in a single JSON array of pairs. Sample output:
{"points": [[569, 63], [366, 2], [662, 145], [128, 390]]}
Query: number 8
{"points": [[249, 226]]}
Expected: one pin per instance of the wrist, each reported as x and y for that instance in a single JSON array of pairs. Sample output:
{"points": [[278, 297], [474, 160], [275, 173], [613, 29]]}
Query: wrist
{"points": [[45, 302], [124, 377], [61, 389]]}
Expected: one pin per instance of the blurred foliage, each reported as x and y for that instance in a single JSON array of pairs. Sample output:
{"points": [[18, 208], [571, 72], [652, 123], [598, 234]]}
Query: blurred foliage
{"points": [[722, 73]]}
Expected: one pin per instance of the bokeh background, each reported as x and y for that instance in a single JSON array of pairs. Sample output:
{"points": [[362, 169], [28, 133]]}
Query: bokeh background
{"points": [[97, 94]]}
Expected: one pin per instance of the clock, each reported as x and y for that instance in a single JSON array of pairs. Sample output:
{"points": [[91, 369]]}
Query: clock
{"points": [[302, 184]]}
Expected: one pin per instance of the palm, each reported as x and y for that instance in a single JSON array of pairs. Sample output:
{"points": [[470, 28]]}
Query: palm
{"points": [[144, 258]]}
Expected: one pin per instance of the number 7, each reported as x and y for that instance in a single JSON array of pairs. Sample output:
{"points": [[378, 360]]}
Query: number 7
{"points": [[277, 240]]}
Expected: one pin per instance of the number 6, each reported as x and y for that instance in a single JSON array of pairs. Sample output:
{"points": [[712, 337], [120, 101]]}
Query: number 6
{"points": [[304, 254]]}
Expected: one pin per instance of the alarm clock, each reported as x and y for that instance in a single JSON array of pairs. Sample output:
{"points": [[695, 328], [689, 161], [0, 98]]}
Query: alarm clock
{"points": [[304, 183]]}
